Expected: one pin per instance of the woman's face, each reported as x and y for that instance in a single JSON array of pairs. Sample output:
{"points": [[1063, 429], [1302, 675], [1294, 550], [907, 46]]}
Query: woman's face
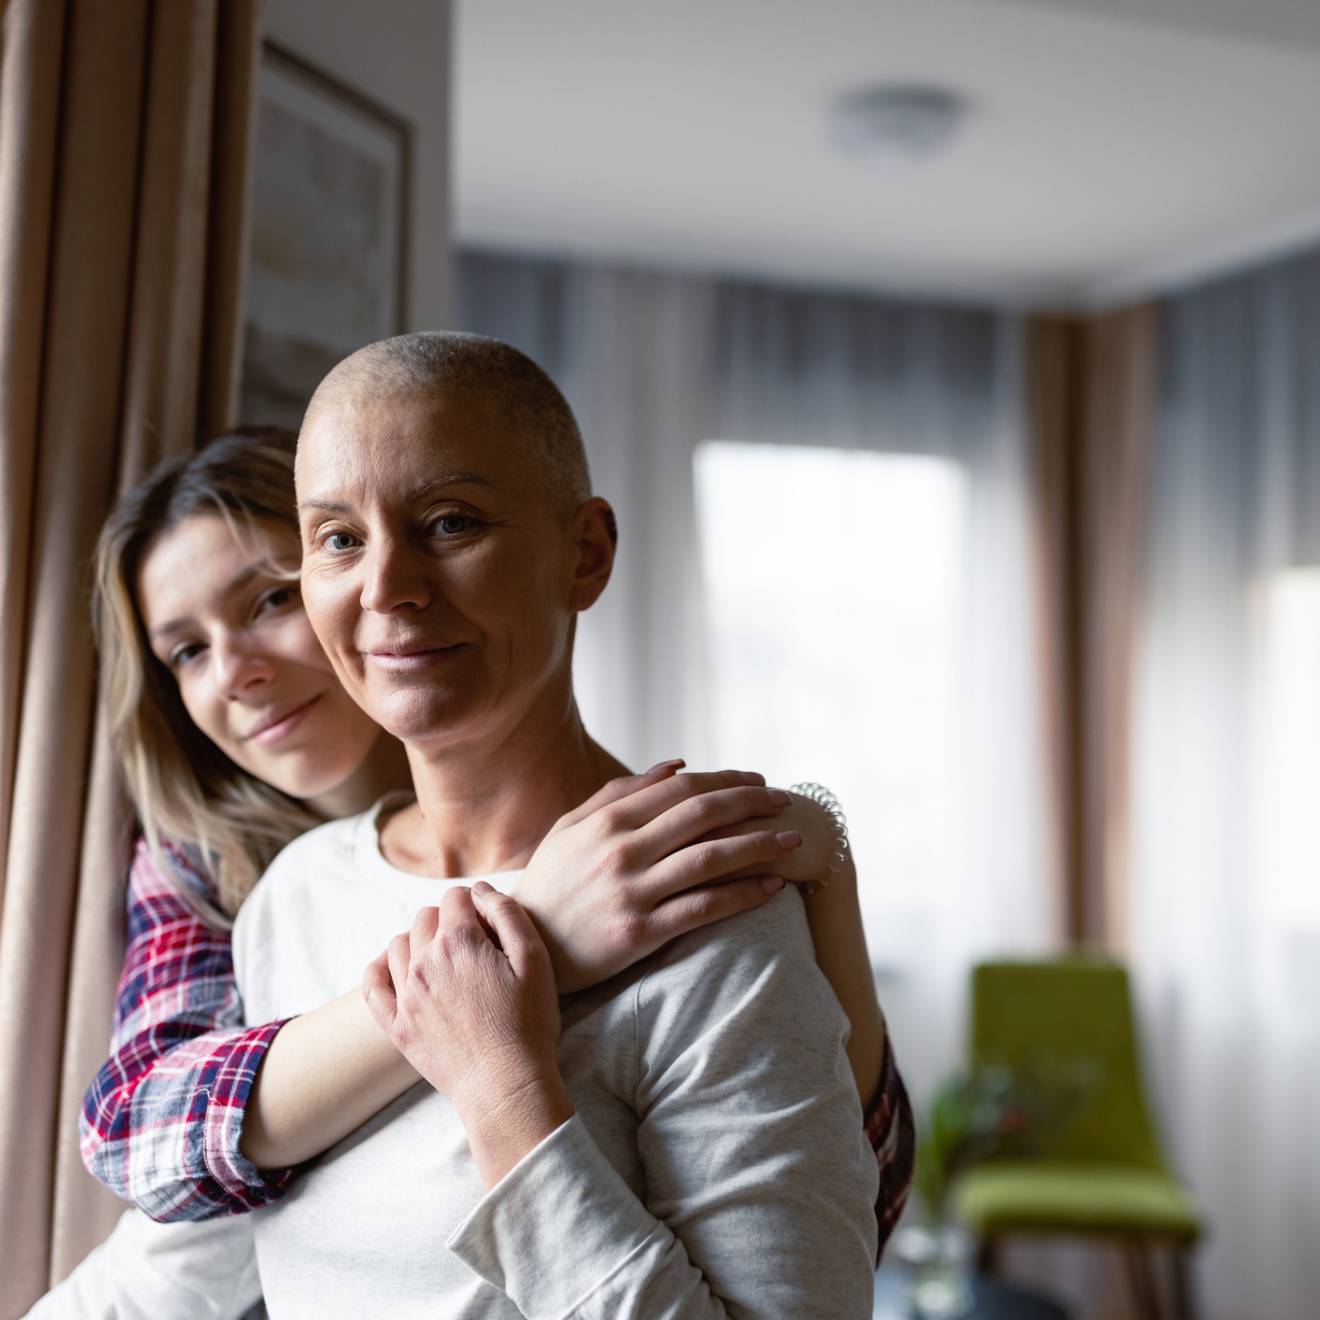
{"points": [[438, 576], [226, 619]]}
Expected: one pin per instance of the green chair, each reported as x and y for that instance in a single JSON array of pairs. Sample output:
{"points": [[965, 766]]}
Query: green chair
{"points": [[1099, 1171]]}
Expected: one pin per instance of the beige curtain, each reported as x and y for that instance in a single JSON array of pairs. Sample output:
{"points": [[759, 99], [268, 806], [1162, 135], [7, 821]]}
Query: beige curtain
{"points": [[1091, 386], [124, 132]]}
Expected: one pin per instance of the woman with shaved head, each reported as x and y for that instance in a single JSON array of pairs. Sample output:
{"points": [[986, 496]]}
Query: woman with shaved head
{"points": [[682, 1140]]}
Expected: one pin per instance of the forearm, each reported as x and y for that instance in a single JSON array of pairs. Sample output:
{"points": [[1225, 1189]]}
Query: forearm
{"points": [[741, 1090], [563, 1234], [324, 1075], [835, 918]]}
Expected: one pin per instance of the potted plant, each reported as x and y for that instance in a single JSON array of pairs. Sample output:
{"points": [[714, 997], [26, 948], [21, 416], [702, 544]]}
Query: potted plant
{"points": [[990, 1112]]}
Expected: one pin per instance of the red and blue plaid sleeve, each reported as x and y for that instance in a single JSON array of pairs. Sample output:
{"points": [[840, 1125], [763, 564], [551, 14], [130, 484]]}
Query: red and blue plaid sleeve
{"points": [[893, 1136], [161, 1122]]}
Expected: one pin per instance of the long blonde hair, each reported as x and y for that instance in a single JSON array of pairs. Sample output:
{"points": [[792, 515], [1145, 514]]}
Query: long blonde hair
{"points": [[185, 789]]}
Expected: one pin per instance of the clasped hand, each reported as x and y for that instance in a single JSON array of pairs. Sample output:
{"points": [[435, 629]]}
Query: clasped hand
{"points": [[468, 997]]}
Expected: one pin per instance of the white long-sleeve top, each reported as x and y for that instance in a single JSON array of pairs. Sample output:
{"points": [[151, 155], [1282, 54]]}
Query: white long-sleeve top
{"points": [[716, 1165], [205, 1270]]}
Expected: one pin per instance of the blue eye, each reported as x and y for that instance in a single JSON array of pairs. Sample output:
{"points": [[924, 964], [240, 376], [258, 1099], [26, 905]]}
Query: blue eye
{"points": [[453, 524], [340, 541], [277, 599], [183, 654]]}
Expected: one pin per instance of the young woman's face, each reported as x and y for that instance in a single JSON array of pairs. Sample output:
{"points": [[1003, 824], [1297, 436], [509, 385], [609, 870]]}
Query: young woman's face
{"points": [[225, 618]]}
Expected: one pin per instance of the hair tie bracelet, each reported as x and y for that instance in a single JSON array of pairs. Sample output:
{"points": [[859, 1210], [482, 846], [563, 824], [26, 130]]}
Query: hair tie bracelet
{"points": [[826, 800]]}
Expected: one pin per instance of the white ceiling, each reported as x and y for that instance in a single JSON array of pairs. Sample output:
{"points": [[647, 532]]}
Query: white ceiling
{"points": [[1114, 146]]}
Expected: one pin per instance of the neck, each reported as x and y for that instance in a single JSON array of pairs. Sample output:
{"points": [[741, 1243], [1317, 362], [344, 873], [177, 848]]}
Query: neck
{"points": [[385, 769], [483, 806]]}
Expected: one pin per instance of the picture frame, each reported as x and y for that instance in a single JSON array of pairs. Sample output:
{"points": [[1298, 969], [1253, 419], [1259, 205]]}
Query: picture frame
{"points": [[328, 256]]}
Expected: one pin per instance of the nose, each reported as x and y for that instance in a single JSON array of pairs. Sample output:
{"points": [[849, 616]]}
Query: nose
{"points": [[394, 578], [237, 666]]}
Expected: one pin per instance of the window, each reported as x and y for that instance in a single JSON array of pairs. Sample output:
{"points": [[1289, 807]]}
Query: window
{"points": [[835, 585], [1285, 748]]}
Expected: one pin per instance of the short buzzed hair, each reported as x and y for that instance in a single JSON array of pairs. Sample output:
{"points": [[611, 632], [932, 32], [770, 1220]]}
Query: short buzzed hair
{"points": [[433, 363]]}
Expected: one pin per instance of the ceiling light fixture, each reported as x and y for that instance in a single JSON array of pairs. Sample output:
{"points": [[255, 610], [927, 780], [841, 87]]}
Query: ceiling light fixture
{"points": [[906, 120]]}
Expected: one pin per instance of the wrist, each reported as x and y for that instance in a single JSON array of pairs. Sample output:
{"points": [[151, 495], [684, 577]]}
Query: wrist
{"points": [[509, 1118], [530, 902], [391, 1066], [498, 1088]]}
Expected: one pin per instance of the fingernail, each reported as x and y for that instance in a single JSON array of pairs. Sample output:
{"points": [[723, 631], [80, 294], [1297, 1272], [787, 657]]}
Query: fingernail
{"points": [[788, 838], [667, 765], [772, 884], [780, 798], [481, 889], [753, 776]]}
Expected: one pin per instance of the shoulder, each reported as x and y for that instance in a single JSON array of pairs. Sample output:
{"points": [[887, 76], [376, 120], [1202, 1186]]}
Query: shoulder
{"points": [[759, 964], [317, 859], [177, 865], [331, 843], [169, 888], [776, 933]]}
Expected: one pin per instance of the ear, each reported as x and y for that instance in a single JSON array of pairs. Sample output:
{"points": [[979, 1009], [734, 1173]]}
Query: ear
{"points": [[593, 534]]}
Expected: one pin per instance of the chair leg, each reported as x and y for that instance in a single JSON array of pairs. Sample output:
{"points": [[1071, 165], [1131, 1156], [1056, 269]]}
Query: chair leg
{"points": [[1141, 1280], [1183, 1306], [987, 1255]]}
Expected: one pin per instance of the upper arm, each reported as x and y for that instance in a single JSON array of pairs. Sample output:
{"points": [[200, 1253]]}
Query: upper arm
{"points": [[751, 1133], [177, 984], [178, 970]]}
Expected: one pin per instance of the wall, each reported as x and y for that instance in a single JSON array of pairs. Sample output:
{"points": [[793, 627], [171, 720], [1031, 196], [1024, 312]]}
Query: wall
{"points": [[396, 52]]}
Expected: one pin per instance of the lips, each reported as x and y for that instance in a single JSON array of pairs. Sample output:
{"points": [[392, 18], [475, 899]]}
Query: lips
{"points": [[410, 657], [403, 649], [280, 720]]}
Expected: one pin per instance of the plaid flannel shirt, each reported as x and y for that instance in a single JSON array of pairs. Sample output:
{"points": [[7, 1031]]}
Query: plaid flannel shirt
{"points": [[161, 1122], [893, 1136]]}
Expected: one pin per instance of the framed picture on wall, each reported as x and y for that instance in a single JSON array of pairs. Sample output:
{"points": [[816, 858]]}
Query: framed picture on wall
{"points": [[329, 247]]}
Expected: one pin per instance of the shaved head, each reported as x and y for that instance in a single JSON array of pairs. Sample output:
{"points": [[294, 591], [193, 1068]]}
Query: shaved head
{"points": [[441, 364]]}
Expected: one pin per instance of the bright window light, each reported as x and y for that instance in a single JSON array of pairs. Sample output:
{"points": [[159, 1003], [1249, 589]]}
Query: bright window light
{"points": [[835, 594], [1285, 748]]}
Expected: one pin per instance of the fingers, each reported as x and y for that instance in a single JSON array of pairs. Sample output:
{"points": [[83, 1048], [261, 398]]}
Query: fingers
{"points": [[458, 917], [642, 807], [701, 907], [378, 991], [717, 859], [424, 926], [513, 928], [397, 955], [621, 788], [708, 814]]}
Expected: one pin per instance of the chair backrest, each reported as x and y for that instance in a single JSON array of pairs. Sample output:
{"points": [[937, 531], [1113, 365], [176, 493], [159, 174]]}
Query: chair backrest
{"points": [[1073, 1014]]}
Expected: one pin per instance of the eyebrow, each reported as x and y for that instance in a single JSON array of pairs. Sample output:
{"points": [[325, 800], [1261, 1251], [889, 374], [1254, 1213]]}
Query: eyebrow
{"points": [[415, 495], [235, 583]]}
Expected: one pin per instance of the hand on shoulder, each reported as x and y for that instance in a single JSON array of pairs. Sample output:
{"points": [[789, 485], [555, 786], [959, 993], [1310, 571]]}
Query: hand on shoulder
{"points": [[648, 858]]}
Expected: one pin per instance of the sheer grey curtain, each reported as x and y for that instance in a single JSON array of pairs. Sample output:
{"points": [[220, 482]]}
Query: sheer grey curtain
{"points": [[655, 363], [1226, 895]]}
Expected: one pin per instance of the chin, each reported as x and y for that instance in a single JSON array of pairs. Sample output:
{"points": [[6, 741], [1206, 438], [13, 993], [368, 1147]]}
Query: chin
{"points": [[309, 779], [417, 717]]}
